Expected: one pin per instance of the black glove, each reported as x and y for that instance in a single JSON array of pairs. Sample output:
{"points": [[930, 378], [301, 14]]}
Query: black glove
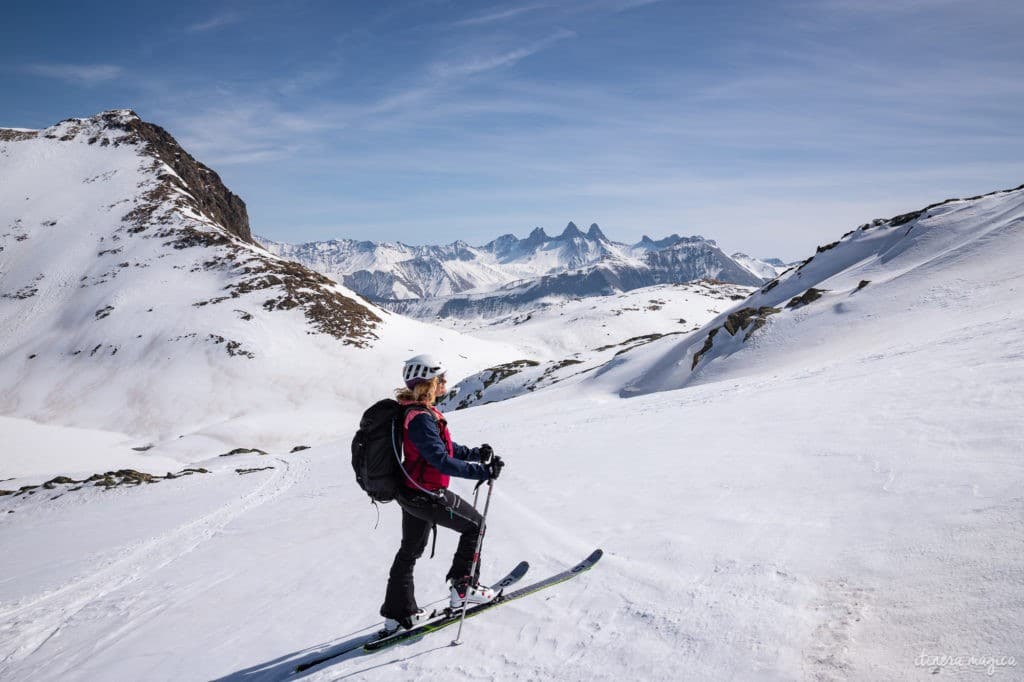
{"points": [[494, 467], [486, 452]]}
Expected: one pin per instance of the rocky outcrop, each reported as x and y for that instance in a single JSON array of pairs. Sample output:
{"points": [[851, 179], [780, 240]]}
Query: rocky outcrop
{"points": [[803, 299], [108, 480], [745, 319], [209, 196]]}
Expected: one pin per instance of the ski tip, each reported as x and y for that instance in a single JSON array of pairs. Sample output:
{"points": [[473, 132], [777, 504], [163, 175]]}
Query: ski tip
{"points": [[587, 563]]}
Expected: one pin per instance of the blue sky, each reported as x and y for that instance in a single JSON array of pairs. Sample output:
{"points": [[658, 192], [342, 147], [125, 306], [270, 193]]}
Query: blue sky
{"points": [[769, 126]]}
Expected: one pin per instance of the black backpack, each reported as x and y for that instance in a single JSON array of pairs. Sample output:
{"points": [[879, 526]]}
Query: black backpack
{"points": [[376, 447]]}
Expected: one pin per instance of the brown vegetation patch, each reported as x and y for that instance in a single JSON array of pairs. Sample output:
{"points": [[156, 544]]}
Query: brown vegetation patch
{"points": [[8, 135]]}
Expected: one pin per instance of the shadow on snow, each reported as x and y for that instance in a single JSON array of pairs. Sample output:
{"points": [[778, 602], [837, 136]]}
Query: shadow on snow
{"points": [[283, 667]]}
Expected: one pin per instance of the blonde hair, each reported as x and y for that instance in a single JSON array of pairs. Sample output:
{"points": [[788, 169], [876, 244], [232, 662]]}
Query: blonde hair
{"points": [[423, 392]]}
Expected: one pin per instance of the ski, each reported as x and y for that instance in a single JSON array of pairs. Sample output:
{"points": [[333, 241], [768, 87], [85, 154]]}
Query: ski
{"points": [[514, 576], [452, 616]]}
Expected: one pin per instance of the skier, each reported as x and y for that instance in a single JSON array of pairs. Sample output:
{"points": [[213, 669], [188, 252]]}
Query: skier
{"points": [[431, 458]]}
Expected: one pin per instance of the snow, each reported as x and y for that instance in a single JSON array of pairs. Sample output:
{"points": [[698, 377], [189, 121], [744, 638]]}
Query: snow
{"points": [[35, 451], [109, 331], [950, 273], [743, 535], [758, 267], [832, 499], [559, 327], [564, 340]]}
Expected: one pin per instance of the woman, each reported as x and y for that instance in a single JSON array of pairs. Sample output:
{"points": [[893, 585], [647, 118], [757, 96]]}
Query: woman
{"points": [[431, 458]]}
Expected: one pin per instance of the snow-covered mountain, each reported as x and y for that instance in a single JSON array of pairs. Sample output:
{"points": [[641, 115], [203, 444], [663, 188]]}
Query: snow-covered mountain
{"points": [[573, 263], [833, 495], [134, 300], [767, 269]]}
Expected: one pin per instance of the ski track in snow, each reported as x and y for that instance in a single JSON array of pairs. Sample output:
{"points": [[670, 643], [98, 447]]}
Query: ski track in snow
{"points": [[29, 625]]}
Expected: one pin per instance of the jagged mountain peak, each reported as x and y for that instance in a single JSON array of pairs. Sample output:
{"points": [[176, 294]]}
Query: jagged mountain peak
{"points": [[204, 191], [647, 243], [570, 231], [389, 273]]}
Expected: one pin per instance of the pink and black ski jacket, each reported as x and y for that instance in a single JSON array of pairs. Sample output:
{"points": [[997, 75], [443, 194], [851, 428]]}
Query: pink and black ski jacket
{"points": [[431, 457]]}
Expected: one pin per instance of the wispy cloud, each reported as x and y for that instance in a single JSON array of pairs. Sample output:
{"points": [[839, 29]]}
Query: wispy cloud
{"points": [[495, 17], [214, 23], [624, 5], [880, 6], [248, 129], [474, 64], [84, 74]]}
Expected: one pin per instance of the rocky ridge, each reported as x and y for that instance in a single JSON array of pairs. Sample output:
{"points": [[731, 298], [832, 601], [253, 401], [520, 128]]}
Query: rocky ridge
{"points": [[184, 205]]}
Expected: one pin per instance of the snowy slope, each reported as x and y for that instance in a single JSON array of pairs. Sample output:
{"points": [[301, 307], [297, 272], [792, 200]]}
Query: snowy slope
{"points": [[800, 526], [908, 282], [836, 498], [765, 269], [133, 301], [564, 340]]}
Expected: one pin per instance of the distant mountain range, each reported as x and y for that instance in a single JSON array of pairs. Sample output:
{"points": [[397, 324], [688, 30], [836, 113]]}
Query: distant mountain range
{"points": [[458, 279]]}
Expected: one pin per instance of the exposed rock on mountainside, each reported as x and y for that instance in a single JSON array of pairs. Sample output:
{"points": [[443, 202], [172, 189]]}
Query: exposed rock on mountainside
{"points": [[204, 187], [108, 480], [808, 296]]}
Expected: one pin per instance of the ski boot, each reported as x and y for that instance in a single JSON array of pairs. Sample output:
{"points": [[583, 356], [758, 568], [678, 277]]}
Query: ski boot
{"points": [[467, 591], [392, 625]]}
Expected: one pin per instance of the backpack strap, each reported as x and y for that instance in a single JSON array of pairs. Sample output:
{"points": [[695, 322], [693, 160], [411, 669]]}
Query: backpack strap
{"points": [[409, 413], [413, 410]]}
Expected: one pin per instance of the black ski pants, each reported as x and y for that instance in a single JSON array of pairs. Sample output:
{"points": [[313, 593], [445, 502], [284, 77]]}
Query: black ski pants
{"points": [[419, 514]]}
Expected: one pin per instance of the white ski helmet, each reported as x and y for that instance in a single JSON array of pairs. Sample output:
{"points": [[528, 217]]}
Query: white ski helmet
{"points": [[421, 368]]}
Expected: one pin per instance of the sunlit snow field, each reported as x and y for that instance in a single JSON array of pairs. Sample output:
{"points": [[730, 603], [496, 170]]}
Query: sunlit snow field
{"points": [[837, 497]]}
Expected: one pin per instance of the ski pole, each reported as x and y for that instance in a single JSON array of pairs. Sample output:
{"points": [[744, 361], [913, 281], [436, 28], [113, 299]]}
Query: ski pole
{"points": [[476, 558]]}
